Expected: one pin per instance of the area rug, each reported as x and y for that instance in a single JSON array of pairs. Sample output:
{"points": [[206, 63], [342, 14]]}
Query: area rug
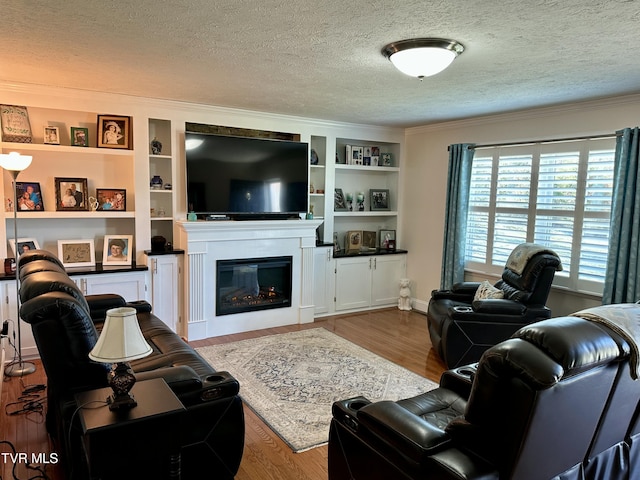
{"points": [[291, 380]]}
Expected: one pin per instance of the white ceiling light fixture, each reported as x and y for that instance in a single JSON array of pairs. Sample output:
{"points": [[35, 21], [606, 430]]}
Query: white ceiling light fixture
{"points": [[422, 57]]}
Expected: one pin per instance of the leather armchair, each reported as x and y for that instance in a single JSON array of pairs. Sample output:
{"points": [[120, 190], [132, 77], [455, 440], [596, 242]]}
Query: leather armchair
{"points": [[66, 326], [555, 401], [462, 327]]}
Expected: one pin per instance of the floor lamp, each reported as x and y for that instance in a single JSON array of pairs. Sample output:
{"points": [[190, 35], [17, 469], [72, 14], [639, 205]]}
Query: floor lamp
{"points": [[14, 163]]}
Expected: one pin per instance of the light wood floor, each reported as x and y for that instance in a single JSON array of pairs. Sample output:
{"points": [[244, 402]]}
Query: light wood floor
{"points": [[401, 337]]}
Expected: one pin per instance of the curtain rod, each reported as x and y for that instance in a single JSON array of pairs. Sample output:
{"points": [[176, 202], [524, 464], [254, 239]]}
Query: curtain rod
{"points": [[567, 139]]}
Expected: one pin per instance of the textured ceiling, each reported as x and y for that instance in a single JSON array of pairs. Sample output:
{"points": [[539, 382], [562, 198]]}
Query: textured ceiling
{"points": [[322, 59]]}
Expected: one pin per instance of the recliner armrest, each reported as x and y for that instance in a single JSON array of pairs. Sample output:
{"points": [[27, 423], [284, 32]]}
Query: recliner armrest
{"points": [[499, 306], [180, 378], [462, 292], [99, 304], [410, 434]]}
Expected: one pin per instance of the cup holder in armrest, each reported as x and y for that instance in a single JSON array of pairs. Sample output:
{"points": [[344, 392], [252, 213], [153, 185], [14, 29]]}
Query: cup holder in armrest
{"points": [[461, 309], [346, 411]]}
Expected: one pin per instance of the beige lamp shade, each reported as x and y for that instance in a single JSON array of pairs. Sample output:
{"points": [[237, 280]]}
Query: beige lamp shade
{"points": [[14, 161], [121, 339]]}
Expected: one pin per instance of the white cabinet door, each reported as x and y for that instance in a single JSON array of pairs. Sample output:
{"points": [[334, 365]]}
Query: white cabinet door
{"points": [[164, 289], [387, 272], [353, 282], [323, 280], [9, 312], [131, 286]]}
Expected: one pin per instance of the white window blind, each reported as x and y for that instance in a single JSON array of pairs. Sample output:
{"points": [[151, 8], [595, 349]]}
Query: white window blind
{"points": [[555, 194]]}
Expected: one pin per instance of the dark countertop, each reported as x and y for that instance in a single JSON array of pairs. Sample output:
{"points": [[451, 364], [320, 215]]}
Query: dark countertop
{"points": [[96, 270], [175, 251], [373, 251]]}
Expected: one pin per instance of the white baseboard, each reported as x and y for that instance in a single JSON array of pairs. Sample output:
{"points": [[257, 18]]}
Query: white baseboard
{"points": [[421, 305]]}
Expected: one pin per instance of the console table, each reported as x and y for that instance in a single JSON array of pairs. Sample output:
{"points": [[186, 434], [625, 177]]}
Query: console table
{"points": [[142, 442]]}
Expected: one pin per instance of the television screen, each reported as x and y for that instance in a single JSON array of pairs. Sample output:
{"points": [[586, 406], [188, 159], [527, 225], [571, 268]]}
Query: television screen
{"points": [[251, 176]]}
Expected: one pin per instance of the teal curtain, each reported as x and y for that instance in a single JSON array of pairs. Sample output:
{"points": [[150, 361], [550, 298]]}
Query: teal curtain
{"points": [[455, 221], [622, 282]]}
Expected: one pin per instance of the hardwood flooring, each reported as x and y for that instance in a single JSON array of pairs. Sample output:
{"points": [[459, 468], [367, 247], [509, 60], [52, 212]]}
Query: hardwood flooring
{"points": [[399, 336]]}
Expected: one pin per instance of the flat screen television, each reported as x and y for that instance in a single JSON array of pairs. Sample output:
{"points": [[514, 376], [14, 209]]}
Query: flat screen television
{"points": [[242, 177]]}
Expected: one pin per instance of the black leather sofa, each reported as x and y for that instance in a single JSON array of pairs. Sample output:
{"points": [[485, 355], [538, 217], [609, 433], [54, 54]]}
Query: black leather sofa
{"points": [[66, 326], [462, 327], [556, 401]]}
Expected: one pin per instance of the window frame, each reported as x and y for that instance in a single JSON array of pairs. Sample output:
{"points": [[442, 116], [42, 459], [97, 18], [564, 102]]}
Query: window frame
{"points": [[571, 277]]}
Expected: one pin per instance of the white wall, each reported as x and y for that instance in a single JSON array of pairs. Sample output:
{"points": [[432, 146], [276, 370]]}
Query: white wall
{"points": [[424, 177]]}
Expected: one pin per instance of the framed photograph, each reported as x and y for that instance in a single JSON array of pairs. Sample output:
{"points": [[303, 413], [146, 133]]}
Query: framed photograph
{"points": [[79, 137], [388, 239], [336, 243], [369, 239], [52, 135], [386, 160], [24, 245], [117, 250], [114, 131], [71, 194], [29, 197], [15, 124], [379, 199], [111, 199], [339, 202], [354, 240], [77, 253]]}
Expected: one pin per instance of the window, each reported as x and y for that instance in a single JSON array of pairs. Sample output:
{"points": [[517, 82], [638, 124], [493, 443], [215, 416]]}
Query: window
{"points": [[556, 194]]}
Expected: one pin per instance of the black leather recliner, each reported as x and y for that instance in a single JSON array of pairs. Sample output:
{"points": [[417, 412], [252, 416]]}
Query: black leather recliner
{"points": [[557, 401], [462, 328], [65, 326]]}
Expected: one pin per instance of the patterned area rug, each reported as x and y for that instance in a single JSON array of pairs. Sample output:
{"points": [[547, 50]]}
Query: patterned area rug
{"points": [[291, 380]]}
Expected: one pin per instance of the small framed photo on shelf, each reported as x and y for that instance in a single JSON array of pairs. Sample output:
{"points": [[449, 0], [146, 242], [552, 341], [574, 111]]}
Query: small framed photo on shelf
{"points": [[111, 199], [15, 124], [354, 240], [339, 202], [117, 250], [77, 253], [369, 239], [386, 159], [29, 197], [379, 199], [114, 131], [79, 137], [24, 245], [71, 194], [388, 239], [52, 135]]}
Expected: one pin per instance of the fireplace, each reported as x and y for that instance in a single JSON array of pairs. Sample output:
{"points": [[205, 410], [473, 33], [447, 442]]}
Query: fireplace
{"points": [[250, 284]]}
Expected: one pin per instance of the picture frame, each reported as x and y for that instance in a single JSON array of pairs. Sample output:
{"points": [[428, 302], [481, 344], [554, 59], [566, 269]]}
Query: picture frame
{"points": [[369, 239], [114, 131], [386, 238], [386, 159], [79, 137], [15, 124], [29, 197], [339, 201], [51, 135], [24, 244], [77, 253], [379, 199], [117, 250], [111, 199], [353, 240], [71, 194]]}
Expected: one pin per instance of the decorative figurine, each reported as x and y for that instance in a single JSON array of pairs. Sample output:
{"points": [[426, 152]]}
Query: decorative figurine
{"points": [[156, 182], [156, 146], [404, 302], [360, 201]]}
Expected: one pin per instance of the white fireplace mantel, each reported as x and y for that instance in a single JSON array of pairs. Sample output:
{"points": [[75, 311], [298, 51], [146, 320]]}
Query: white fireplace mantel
{"points": [[206, 242]]}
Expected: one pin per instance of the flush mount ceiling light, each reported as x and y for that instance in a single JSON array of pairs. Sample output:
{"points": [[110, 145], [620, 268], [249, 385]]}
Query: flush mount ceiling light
{"points": [[422, 57]]}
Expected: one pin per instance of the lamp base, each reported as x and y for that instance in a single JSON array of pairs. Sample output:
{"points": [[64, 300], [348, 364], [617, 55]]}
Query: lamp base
{"points": [[19, 369], [121, 402]]}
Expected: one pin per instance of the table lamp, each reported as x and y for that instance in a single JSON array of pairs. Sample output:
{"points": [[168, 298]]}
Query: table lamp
{"points": [[14, 163], [120, 341]]}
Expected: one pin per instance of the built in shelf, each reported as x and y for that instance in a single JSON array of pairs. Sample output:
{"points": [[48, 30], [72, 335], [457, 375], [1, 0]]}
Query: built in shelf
{"points": [[73, 214], [366, 168], [377, 213], [14, 146]]}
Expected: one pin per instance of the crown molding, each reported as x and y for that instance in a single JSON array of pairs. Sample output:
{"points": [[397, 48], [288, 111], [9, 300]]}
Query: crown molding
{"points": [[527, 114], [57, 94]]}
